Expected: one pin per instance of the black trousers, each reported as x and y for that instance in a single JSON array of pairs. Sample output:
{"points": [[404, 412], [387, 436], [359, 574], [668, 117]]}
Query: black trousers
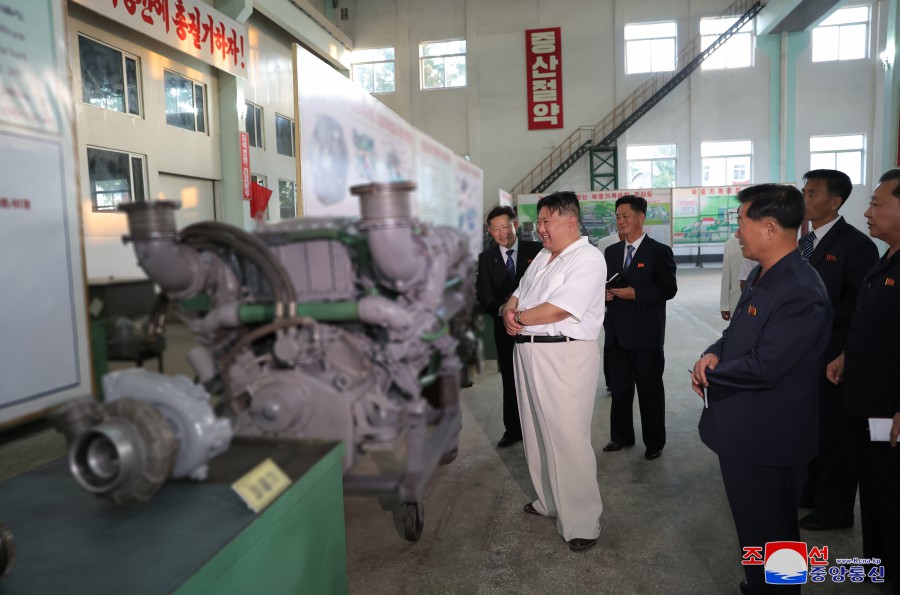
{"points": [[834, 473], [763, 503], [879, 501], [641, 369], [505, 345]]}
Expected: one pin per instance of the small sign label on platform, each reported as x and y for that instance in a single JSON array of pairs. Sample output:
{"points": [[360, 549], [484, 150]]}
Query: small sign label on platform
{"points": [[261, 485]]}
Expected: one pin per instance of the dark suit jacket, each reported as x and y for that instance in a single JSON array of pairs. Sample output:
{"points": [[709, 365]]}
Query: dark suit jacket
{"points": [[641, 323], [763, 394], [842, 259], [871, 388], [492, 285]]}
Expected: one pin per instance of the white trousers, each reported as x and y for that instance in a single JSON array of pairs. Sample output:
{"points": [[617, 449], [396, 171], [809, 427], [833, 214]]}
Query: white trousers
{"points": [[556, 385]]}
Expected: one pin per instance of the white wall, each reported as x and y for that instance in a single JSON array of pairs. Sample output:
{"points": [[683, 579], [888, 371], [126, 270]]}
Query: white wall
{"points": [[710, 105], [270, 85], [167, 149]]}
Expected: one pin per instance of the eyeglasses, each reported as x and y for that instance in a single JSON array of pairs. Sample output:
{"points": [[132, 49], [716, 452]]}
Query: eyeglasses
{"points": [[501, 228]]}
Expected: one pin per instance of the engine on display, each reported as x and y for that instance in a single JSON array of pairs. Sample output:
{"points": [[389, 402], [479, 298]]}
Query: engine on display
{"points": [[327, 328]]}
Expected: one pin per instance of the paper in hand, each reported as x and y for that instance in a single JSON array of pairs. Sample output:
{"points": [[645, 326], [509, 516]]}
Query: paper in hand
{"points": [[880, 429]]}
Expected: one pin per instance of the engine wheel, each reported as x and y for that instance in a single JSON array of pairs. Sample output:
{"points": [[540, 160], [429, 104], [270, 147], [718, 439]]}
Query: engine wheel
{"points": [[449, 456], [413, 520], [7, 550]]}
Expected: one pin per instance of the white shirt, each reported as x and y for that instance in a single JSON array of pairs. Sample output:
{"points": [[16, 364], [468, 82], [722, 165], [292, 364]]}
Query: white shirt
{"points": [[822, 230], [608, 241], [574, 281], [636, 244], [515, 254]]}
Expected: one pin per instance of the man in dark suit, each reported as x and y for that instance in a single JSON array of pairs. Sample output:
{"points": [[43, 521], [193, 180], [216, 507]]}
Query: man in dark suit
{"points": [[842, 255], [635, 325], [500, 268], [868, 368], [760, 380]]}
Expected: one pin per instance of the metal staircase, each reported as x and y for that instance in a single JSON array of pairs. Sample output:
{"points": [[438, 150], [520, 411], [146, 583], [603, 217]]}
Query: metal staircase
{"points": [[602, 137]]}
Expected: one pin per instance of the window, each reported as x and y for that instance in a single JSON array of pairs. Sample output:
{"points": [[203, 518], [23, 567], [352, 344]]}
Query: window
{"points": [[115, 177], [109, 78], [651, 166], [287, 198], [737, 52], [185, 103], [842, 36], [284, 135], [443, 64], [725, 163], [373, 70], [843, 153], [650, 47], [254, 125]]}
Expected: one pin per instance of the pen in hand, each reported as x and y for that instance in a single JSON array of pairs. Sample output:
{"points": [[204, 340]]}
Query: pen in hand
{"points": [[705, 400]]}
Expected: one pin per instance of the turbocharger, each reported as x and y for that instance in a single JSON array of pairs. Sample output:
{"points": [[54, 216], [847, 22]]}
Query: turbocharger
{"points": [[152, 428]]}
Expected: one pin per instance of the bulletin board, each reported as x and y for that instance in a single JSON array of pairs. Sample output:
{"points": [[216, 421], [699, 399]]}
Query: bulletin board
{"points": [[44, 353]]}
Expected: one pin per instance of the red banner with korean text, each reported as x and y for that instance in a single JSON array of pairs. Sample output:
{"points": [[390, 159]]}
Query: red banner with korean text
{"points": [[245, 163], [543, 63]]}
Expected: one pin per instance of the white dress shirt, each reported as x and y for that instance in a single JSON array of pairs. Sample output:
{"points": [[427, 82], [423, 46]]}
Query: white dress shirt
{"points": [[822, 230], [575, 282]]}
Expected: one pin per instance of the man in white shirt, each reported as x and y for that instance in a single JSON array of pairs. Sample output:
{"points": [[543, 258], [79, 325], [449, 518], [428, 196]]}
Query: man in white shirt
{"points": [[556, 315], [735, 270]]}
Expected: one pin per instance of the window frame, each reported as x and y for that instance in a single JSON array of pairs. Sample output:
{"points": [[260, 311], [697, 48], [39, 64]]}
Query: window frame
{"points": [[255, 137], [198, 88], [125, 57], [137, 189], [747, 31], [281, 203], [634, 41], [443, 57], [824, 28], [652, 160], [355, 66], [278, 139], [833, 164], [728, 157]]}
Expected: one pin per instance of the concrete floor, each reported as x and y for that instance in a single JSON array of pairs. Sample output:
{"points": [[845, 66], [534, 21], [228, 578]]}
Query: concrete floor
{"points": [[666, 526]]}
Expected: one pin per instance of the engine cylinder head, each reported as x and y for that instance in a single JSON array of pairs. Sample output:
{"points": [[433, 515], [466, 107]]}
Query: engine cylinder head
{"points": [[384, 201], [151, 219]]}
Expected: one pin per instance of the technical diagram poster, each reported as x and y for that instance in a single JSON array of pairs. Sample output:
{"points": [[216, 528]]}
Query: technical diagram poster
{"points": [[435, 181], [470, 204], [598, 213], [704, 216], [44, 355], [347, 137]]}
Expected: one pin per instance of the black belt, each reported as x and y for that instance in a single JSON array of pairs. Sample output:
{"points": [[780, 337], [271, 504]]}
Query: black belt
{"points": [[543, 339]]}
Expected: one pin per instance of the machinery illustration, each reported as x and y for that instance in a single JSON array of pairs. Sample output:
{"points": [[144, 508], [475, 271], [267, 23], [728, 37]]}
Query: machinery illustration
{"points": [[321, 328]]}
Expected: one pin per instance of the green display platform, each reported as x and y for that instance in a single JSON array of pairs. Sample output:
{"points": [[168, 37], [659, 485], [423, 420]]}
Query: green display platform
{"points": [[190, 538]]}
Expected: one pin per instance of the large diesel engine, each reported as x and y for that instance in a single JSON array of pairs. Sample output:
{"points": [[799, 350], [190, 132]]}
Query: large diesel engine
{"points": [[324, 328]]}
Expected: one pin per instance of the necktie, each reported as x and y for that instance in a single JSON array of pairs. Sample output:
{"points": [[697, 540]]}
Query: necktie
{"points": [[806, 245], [628, 257], [510, 264]]}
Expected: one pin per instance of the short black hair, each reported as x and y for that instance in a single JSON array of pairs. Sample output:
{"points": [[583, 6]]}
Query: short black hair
{"points": [[890, 176], [499, 211], [837, 182], [562, 202], [781, 202], [637, 204]]}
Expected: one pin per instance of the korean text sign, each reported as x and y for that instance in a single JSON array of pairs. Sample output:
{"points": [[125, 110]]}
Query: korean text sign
{"points": [[543, 63]]}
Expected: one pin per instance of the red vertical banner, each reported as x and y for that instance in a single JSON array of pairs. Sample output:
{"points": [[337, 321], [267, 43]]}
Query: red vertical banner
{"points": [[245, 163], [543, 63]]}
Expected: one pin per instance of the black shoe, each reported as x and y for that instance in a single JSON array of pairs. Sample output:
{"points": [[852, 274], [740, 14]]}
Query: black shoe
{"points": [[813, 523], [613, 446], [652, 454], [745, 588], [530, 509], [508, 440], [579, 545]]}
